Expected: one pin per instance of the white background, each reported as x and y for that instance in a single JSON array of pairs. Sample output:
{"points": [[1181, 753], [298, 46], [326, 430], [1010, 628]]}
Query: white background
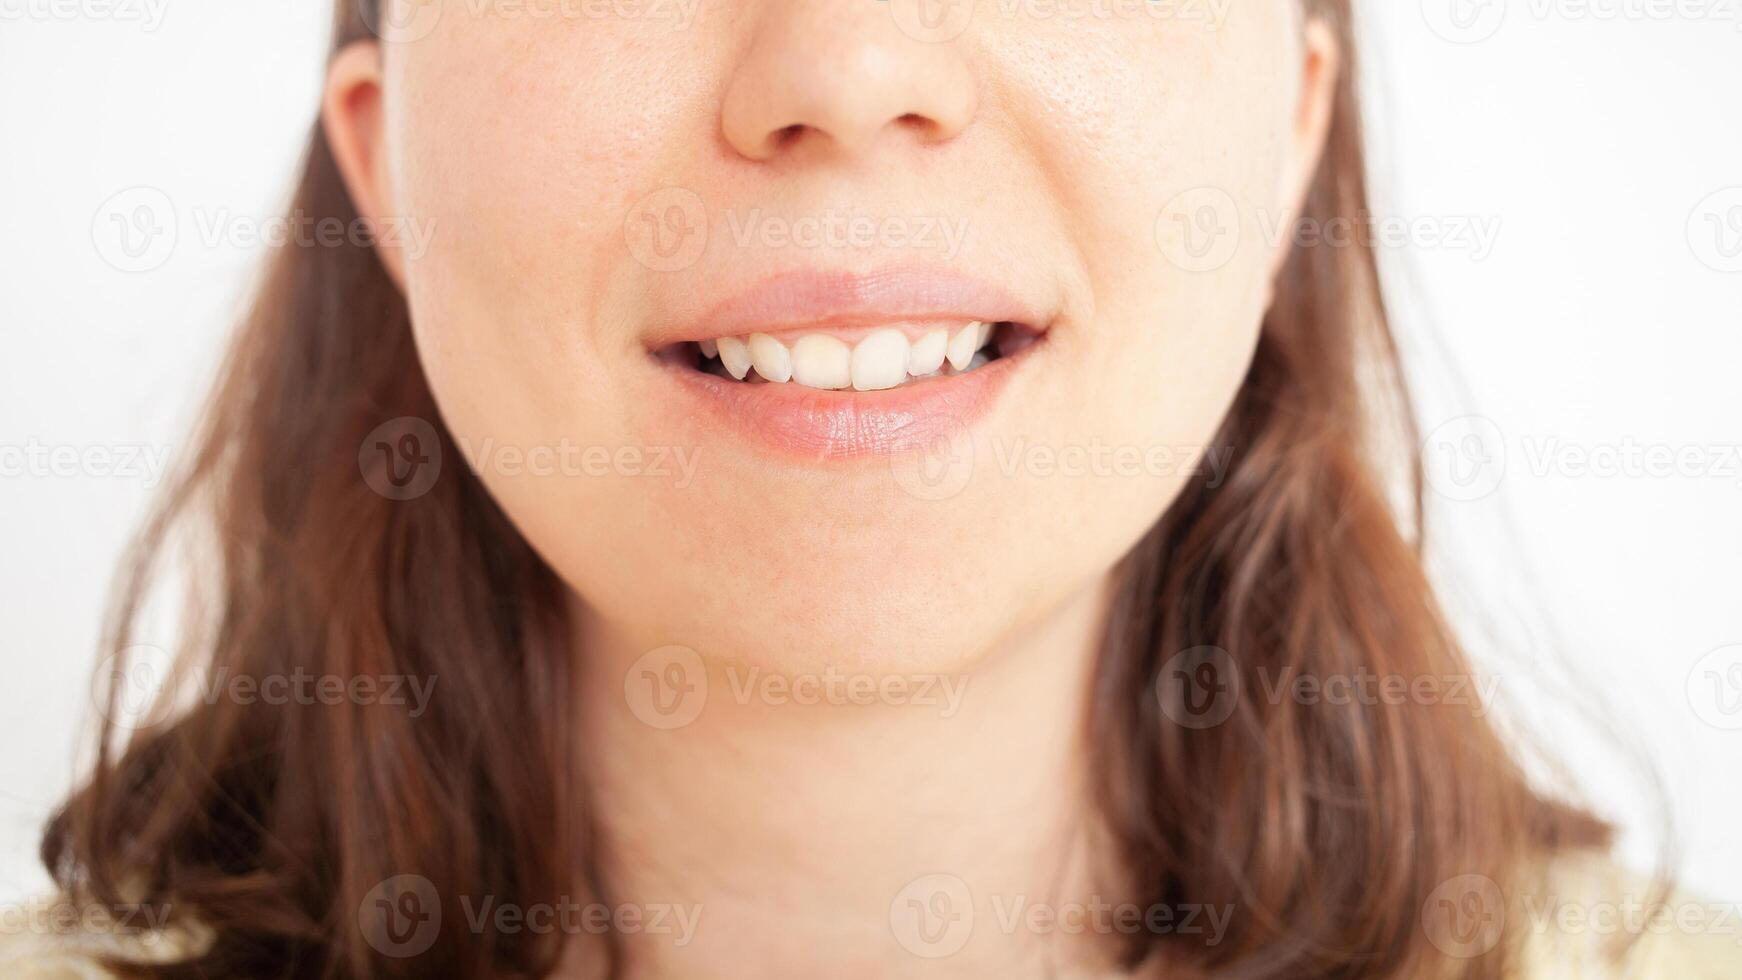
{"points": [[1600, 319]]}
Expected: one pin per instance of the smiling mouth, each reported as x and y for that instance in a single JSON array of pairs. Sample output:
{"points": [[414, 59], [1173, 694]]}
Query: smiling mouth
{"points": [[882, 358]]}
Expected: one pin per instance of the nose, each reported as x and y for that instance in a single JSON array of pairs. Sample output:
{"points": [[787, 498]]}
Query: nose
{"points": [[839, 76]]}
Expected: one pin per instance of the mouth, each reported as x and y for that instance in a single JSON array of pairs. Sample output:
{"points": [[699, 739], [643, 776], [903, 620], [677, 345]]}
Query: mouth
{"points": [[883, 357], [828, 366]]}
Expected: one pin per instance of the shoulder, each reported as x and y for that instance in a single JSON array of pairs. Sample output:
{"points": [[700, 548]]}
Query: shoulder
{"points": [[1586, 918]]}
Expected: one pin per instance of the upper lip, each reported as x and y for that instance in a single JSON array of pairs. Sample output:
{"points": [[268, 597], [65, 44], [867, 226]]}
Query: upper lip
{"points": [[820, 299]]}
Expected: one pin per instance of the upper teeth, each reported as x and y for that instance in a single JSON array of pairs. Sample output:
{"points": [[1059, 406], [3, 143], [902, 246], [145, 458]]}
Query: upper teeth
{"points": [[882, 360]]}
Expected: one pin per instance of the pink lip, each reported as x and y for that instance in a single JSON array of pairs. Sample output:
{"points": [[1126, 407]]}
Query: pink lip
{"points": [[820, 299], [806, 423]]}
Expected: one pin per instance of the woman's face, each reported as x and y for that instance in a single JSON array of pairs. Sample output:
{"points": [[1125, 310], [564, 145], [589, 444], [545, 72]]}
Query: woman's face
{"points": [[609, 185]]}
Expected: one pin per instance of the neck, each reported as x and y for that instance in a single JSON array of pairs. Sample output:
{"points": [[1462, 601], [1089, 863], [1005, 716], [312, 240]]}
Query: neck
{"points": [[840, 826]]}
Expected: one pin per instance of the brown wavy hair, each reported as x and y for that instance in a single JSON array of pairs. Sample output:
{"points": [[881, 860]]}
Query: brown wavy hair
{"points": [[1329, 826]]}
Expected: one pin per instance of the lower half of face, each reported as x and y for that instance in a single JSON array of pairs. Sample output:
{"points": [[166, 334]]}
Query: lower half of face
{"points": [[831, 333]]}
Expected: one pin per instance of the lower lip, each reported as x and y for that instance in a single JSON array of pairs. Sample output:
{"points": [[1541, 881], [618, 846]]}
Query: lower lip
{"points": [[815, 425]]}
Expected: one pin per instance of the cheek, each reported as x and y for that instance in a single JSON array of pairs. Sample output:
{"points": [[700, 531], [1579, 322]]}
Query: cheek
{"points": [[1167, 142], [525, 165]]}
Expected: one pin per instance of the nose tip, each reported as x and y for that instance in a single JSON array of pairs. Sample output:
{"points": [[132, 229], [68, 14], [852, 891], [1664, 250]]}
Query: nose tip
{"points": [[815, 75]]}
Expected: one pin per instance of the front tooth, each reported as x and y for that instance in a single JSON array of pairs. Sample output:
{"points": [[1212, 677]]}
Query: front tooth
{"points": [[771, 358], [985, 335], [710, 349], [735, 356], [821, 361], [880, 361], [963, 345], [928, 353]]}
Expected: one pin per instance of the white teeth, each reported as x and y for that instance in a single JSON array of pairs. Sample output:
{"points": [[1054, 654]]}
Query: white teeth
{"points": [[771, 358], [735, 356], [928, 353], [821, 361], [885, 359], [964, 344], [880, 361]]}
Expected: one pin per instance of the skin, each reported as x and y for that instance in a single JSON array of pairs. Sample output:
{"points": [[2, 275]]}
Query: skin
{"points": [[527, 144]]}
